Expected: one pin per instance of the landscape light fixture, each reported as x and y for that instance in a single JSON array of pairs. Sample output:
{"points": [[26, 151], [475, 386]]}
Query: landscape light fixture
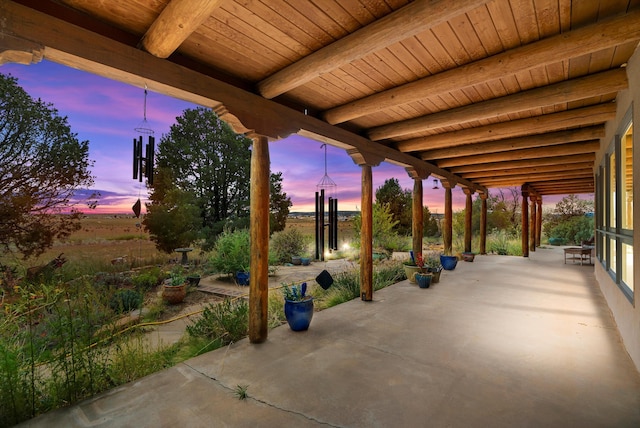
{"points": [[435, 184]]}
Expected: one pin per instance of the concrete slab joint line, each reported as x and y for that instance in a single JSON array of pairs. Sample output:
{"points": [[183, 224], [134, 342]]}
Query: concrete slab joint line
{"points": [[251, 397]]}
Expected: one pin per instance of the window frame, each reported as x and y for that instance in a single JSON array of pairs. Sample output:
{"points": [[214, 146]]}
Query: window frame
{"points": [[610, 235]]}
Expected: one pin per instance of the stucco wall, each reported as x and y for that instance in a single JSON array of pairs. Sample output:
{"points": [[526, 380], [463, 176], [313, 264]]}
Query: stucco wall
{"points": [[626, 314]]}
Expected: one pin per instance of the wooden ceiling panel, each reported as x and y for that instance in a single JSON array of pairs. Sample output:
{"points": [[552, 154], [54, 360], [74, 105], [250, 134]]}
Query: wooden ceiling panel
{"points": [[134, 17], [456, 90]]}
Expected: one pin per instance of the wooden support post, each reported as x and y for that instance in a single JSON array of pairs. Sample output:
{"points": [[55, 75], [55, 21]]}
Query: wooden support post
{"points": [[533, 227], [447, 228], [539, 222], [468, 219], [483, 223], [417, 225], [259, 231], [366, 161], [417, 217], [525, 224], [366, 236]]}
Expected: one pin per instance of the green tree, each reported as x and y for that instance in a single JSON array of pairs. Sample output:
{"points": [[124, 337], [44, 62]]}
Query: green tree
{"points": [[43, 167], [279, 204], [568, 220], [210, 162], [571, 206], [429, 223], [398, 202], [173, 217]]}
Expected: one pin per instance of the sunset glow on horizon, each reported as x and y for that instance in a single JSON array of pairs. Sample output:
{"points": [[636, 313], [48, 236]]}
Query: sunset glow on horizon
{"points": [[105, 113]]}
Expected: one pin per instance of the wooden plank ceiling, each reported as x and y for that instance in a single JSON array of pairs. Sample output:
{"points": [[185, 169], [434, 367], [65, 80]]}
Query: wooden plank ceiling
{"points": [[500, 93]]}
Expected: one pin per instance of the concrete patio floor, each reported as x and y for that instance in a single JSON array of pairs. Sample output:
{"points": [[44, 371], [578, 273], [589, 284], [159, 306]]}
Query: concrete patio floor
{"points": [[500, 342]]}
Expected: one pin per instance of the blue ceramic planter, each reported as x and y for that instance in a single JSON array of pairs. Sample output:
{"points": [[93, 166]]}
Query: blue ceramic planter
{"points": [[424, 279], [242, 278], [298, 314], [448, 262]]}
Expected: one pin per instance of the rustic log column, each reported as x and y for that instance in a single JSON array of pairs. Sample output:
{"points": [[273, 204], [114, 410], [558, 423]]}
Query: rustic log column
{"points": [[366, 235], [447, 228], [539, 222], [533, 227], [259, 231], [468, 219], [525, 224], [366, 161], [483, 223], [417, 217]]}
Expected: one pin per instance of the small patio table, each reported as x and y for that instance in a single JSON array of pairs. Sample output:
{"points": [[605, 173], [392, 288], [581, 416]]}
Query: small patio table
{"points": [[581, 253]]}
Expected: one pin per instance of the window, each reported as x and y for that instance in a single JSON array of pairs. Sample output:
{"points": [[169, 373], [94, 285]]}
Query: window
{"points": [[614, 202]]}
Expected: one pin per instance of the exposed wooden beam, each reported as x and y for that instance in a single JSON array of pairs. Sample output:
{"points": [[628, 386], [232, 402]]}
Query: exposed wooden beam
{"points": [[534, 162], [562, 150], [585, 116], [528, 142], [563, 186], [176, 22], [406, 22], [525, 178], [576, 190], [560, 187], [246, 112], [555, 187], [563, 167], [19, 51], [595, 85], [604, 34]]}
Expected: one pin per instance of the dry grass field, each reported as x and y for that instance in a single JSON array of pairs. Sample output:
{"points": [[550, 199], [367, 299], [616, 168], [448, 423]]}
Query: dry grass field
{"points": [[103, 238]]}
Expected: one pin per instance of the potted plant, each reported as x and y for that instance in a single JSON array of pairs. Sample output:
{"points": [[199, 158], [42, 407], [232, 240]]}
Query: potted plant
{"points": [[193, 279], [413, 266], [174, 288], [432, 262], [242, 276], [423, 279], [298, 306], [448, 262], [305, 260], [468, 256]]}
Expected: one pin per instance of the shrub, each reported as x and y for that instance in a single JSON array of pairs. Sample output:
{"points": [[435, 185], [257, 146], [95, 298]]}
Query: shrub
{"points": [[147, 280], [498, 242], [346, 285], [225, 322], [125, 301], [289, 243], [231, 252], [574, 230]]}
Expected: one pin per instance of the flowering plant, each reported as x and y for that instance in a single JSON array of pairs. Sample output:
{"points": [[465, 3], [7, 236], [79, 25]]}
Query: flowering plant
{"points": [[419, 261]]}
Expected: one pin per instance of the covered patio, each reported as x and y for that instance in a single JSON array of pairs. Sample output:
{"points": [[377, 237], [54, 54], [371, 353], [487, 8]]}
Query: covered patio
{"points": [[501, 342], [479, 94]]}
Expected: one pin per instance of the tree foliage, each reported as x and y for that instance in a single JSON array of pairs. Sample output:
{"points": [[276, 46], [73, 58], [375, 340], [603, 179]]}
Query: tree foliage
{"points": [[209, 169], [568, 220], [173, 217], [398, 202], [279, 204], [571, 206], [43, 166]]}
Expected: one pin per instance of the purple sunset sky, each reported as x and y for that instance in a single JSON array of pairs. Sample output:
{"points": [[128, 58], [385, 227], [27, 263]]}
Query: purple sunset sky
{"points": [[105, 113]]}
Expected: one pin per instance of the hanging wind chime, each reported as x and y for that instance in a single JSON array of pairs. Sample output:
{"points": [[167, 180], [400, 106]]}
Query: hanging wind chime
{"points": [[326, 185], [143, 165]]}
